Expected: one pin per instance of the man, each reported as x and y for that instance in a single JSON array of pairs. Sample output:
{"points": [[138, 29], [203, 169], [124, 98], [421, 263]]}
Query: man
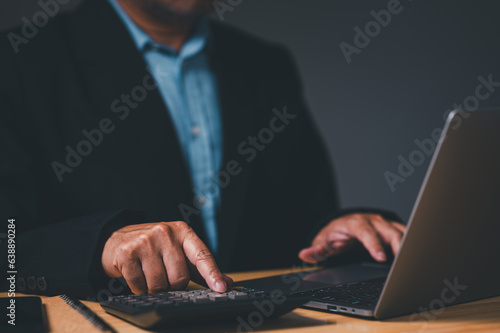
{"points": [[142, 141]]}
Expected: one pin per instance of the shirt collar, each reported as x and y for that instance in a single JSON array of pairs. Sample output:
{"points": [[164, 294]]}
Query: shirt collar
{"points": [[195, 44]]}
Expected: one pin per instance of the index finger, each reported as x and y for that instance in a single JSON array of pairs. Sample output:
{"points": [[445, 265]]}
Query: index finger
{"points": [[399, 226], [369, 237], [201, 257]]}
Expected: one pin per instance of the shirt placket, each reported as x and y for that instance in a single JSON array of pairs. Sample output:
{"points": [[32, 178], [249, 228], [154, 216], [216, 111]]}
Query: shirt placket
{"points": [[199, 146]]}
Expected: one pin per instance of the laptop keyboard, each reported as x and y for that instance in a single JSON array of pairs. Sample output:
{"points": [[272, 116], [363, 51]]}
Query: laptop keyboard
{"points": [[363, 294]]}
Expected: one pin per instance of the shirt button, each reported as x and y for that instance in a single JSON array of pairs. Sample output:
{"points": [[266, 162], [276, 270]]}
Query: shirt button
{"points": [[195, 130], [202, 200]]}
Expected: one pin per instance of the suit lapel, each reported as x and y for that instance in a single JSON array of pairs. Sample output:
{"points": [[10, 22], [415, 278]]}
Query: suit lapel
{"points": [[112, 66], [238, 122]]}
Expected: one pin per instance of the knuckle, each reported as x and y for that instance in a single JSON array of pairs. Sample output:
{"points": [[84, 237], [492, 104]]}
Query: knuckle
{"points": [[144, 239], [398, 235], [160, 228], [181, 228], [156, 287], [357, 220], [190, 234], [378, 221], [356, 217], [181, 225], [367, 229], [127, 251], [203, 255], [179, 282]]}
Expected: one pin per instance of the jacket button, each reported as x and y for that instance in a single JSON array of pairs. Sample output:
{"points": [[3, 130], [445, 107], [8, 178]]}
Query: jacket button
{"points": [[21, 284], [31, 282], [41, 283]]}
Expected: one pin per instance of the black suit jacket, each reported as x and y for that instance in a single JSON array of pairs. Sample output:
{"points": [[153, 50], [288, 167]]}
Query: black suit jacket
{"points": [[63, 83]]}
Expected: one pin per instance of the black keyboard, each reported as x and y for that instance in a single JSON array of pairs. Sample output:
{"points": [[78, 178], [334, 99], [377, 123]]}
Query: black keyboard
{"points": [[363, 294], [173, 308]]}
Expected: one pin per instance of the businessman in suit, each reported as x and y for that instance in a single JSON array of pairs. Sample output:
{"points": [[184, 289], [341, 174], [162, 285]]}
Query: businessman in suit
{"points": [[141, 140]]}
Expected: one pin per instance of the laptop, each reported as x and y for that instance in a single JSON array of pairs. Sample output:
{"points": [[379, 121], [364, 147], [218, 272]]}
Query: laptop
{"points": [[450, 253]]}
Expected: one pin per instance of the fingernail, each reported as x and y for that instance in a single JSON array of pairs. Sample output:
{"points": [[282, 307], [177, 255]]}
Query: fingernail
{"points": [[220, 286], [381, 255]]}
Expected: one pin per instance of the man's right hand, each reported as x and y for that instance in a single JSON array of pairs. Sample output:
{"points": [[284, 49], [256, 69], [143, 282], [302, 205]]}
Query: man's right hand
{"points": [[160, 256]]}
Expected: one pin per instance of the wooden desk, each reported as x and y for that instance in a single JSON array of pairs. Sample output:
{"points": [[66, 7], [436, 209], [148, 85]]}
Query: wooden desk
{"points": [[479, 316]]}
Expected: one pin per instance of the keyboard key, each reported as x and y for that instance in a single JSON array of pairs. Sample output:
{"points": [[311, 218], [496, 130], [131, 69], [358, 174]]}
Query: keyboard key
{"points": [[218, 297], [201, 299], [238, 295]]}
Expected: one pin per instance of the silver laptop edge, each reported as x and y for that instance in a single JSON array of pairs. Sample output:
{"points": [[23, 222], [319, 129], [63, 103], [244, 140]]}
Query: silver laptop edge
{"points": [[421, 280]]}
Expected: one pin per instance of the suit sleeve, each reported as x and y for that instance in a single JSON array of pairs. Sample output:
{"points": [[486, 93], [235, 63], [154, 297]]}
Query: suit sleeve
{"points": [[50, 256]]}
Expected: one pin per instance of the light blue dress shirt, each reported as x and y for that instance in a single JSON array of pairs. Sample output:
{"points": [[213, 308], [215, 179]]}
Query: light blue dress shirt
{"points": [[189, 89]]}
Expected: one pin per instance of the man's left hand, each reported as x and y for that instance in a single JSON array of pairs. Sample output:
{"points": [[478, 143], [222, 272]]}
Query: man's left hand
{"points": [[372, 230]]}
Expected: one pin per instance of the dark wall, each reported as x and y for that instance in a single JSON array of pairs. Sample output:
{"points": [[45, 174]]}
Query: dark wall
{"points": [[394, 91]]}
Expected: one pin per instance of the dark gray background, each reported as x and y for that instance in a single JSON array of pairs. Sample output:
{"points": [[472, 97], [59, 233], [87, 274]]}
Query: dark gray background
{"points": [[395, 91]]}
